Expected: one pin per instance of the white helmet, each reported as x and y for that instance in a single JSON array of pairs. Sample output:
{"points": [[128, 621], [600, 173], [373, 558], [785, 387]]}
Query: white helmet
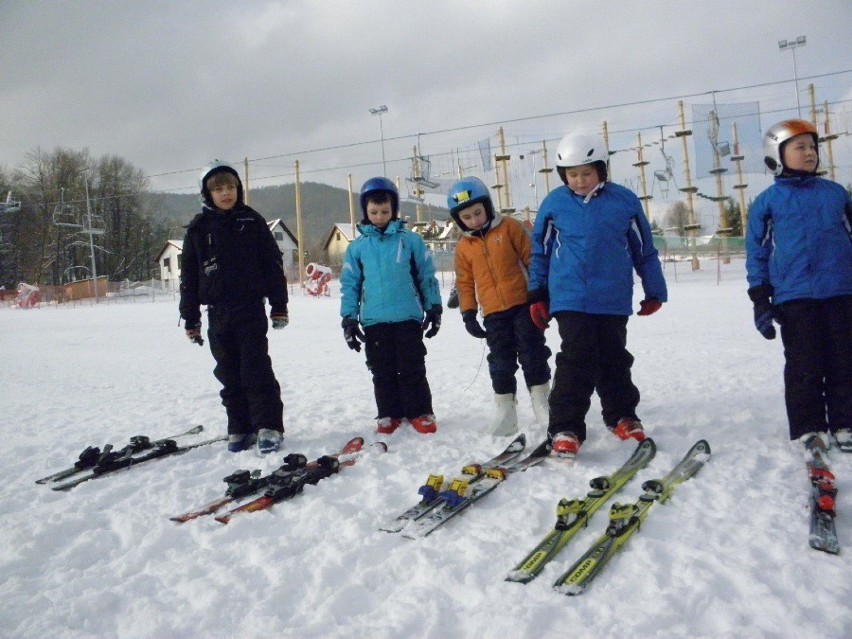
{"points": [[578, 149], [777, 135]]}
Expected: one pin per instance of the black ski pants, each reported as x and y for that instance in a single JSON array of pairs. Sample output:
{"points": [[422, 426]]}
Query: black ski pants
{"points": [[593, 356], [396, 356], [817, 337], [512, 338], [250, 393]]}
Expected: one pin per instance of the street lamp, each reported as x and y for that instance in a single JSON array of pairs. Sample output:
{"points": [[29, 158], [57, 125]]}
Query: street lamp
{"points": [[800, 41], [378, 111]]}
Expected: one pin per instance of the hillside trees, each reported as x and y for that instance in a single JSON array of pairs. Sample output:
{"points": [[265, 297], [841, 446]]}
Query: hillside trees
{"points": [[46, 242]]}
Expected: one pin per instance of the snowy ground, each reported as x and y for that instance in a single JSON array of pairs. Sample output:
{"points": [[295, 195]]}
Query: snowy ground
{"points": [[727, 556]]}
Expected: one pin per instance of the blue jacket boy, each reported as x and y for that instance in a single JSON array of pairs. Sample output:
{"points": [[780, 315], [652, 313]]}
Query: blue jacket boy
{"points": [[388, 286]]}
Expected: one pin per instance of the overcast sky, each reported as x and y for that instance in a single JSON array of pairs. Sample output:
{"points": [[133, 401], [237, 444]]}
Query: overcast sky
{"points": [[170, 85]]}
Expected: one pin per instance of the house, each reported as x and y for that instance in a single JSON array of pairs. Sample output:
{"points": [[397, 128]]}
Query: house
{"points": [[169, 259], [337, 241], [170, 255], [288, 245]]}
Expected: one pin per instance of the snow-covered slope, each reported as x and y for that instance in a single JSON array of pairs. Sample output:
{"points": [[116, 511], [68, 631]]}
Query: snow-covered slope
{"points": [[727, 556]]}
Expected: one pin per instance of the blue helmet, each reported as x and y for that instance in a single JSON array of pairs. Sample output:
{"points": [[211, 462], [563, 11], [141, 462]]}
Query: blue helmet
{"points": [[380, 185], [465, 193]]}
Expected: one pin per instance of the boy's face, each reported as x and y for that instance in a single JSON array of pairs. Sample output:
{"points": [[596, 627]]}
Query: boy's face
{"points": [[582, 179], [473, 217], [379, 214], [224, 196], [800, 153]]}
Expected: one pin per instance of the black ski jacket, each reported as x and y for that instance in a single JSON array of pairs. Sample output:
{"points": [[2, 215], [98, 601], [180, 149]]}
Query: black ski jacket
{"points": [[230, 260]]}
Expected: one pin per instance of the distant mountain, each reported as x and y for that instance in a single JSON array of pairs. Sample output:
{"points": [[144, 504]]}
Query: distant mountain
{"points": [[322, 207]]}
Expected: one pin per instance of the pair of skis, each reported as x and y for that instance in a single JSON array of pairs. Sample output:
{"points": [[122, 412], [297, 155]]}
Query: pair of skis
{"points": [[283, 483], [444, 500], [625, 519], [94, 463]]}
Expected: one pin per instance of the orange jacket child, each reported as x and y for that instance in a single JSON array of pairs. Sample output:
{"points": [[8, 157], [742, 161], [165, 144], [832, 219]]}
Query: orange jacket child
{"points": [[492, 258]]}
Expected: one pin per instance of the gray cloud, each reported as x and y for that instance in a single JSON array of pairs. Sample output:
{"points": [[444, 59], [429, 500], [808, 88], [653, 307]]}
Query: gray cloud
{"points": [[169, 85]]}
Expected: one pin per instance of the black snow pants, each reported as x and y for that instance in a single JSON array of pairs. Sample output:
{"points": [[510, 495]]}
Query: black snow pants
{"points": [[817, 337], [593, 356], [396, 356], [512, 338], [250, 393]]}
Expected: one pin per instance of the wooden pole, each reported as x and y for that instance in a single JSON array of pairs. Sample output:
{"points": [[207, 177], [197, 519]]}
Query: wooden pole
{"points": [[812, 96], [351, 205], [544, 168], [641, 164], [299, 228], [740, 186], [605, 129], [246, 189], [690, 190], [503, 160], [828, 139]]}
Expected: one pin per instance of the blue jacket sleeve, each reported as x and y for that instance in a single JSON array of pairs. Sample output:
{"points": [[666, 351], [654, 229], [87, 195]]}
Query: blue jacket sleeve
{"points": [[646, 258], [427, 283], [758, 243], [351, 281], [543, 237]]}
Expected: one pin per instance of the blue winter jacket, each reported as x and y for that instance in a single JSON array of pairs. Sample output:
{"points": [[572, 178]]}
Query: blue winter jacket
{"points": [[584, 252], [799, 239], [387, 276]]}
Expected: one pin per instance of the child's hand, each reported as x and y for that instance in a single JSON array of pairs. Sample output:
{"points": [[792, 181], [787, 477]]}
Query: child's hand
{"points": [[279, 319], [540, 315], [649, 306], [432, 322], [352, 333], [764, 311], [472, 325], [193, 333]]}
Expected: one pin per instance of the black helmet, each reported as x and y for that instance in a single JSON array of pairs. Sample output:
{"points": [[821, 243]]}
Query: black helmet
{"points": [[211, 169]]}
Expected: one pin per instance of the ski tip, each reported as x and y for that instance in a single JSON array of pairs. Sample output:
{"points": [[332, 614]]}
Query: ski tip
{"points": [[518, 577], [648, 444], [570, 590], [378, 447], [195, 430], [702, 447]]}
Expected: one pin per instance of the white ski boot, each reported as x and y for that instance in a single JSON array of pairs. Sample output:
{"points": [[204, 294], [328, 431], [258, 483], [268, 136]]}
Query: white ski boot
{"points": [[506, 419], [540, 396]]}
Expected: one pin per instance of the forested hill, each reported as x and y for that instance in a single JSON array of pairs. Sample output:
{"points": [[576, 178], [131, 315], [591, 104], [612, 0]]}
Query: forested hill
{"points": [[322, 206]]}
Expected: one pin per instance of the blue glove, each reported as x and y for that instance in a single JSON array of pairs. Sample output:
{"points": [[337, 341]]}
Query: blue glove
{"points": [[764, 311], [432, 322]]}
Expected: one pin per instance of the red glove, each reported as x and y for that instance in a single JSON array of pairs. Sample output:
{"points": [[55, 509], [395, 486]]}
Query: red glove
{"points": [[540, 315], [649, 306]]}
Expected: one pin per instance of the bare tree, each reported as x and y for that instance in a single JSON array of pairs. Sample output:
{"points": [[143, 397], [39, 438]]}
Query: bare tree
{"points": [[677, 216], [48, 240]]}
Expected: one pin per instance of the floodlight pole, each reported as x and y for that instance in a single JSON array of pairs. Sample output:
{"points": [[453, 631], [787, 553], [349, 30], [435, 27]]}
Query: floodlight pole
{"points": [[379, 110], [792, 45]]}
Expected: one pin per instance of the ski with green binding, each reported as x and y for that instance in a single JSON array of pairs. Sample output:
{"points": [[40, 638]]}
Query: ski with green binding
{"points": [[572, 515]]}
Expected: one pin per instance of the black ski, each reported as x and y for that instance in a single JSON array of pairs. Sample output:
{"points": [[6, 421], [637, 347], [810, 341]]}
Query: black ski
{"points": [[93, 456], [164, 448]]}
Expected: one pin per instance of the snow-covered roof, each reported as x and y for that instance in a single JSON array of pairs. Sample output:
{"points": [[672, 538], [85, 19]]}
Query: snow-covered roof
{"points": [[178, 244]]}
